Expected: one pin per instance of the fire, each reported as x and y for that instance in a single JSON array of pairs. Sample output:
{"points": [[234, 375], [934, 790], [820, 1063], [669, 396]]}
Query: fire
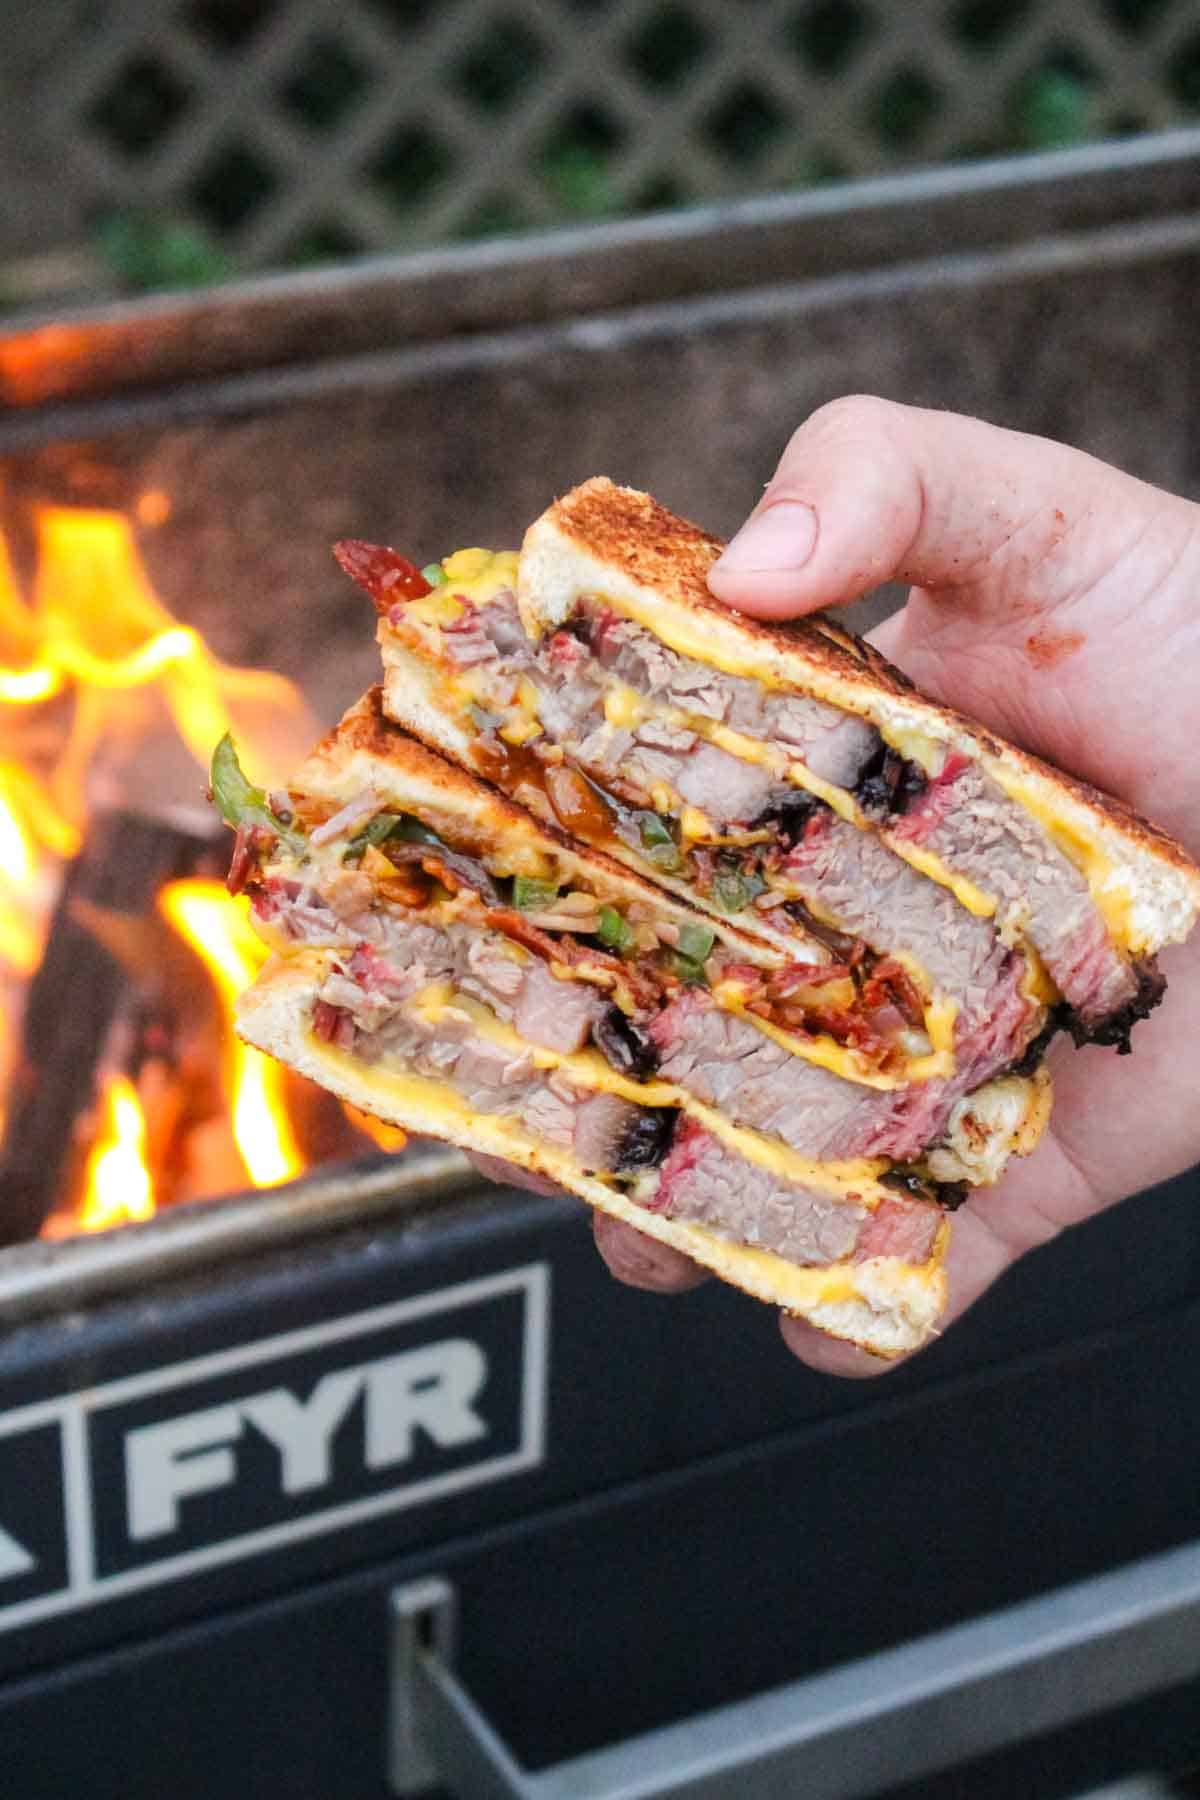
{"points": [[100, 628], [97, 677], [217, 926], [381, 1134], [117, 1185]]}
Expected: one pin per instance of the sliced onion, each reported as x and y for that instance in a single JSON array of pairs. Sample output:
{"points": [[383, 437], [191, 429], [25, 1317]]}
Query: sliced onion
{"points": [[346, 817]]}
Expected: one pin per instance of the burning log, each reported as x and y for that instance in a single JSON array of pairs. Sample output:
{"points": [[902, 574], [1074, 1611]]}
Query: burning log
{"points": [[119, 1055], [74, 1000]]}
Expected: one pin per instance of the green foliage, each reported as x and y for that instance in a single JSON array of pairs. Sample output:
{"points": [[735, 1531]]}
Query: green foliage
{"points": [[148, 252], [1054, 98], [1053, 109]]}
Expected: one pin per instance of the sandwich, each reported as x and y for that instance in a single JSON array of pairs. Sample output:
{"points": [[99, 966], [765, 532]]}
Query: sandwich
{"points": [[721, 926], [785, 777], [445, 961]]}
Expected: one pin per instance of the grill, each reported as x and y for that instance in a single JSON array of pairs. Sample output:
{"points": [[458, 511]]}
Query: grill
{"points": [[357, 1480]]}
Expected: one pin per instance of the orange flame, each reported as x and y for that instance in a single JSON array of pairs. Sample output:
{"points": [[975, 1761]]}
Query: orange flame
{"points": [[97, 630], [217, 926], [117, 1186], [381, 1134], [90, 660]]}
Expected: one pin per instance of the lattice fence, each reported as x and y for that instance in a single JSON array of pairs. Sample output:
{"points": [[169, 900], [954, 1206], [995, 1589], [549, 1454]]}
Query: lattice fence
{"points": [[279, 131]]}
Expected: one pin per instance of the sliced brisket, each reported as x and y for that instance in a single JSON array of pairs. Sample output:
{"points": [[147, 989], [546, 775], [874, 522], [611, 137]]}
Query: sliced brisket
{"points": [[724, 1061], [961, 815], [400, 956], [707, 1183], [979, 832], [833, 744], [854, 878]]}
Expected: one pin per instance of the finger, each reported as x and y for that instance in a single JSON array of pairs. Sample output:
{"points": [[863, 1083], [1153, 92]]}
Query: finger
{"points": [[870, 491], [494, 1168], [641, 1261], [997, 1226], [976, 1258], [830, 1356]]}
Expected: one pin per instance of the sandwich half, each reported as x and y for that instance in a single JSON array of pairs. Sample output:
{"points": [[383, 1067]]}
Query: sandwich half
{"points": [[787, 778], [445, 961]]}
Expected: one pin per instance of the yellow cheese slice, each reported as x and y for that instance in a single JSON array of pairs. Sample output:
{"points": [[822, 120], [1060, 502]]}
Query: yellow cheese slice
{"points": [[422, 1101], [588, 1069]]}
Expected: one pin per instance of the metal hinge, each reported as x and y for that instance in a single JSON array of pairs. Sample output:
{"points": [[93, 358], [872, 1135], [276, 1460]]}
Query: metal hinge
{"points": [[935, 1703]]}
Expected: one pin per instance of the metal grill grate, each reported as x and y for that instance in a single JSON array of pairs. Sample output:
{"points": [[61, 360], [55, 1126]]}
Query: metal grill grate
{"points": [[298, 130]]}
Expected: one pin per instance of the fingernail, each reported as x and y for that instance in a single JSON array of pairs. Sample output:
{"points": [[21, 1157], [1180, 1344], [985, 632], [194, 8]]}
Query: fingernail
{"points": [[779, 539]]}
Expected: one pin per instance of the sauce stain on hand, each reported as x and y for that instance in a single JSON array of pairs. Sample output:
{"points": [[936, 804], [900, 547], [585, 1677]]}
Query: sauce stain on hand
{"points": [[1046, 649]]}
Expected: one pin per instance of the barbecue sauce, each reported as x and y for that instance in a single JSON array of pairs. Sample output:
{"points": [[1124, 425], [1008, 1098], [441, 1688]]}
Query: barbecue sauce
{"points": [[580, 807]]}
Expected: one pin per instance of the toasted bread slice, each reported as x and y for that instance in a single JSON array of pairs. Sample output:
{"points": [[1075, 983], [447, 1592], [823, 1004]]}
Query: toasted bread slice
{"points": [[883, 1304], [652, 566]]}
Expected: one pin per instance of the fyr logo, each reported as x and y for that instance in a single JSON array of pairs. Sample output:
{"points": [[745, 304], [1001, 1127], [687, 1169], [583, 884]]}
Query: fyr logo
{"points": [[248, 1449], [342, 1421], [433, 1393]]}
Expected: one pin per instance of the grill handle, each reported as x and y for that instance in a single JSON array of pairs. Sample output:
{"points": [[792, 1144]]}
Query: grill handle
{"points": [[898, 1715]]}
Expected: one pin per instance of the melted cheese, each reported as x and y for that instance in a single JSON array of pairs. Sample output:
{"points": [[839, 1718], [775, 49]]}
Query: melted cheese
{"points": [[915, 745], [422, 1102], [419, 1100], [1036, 984], [797, 1288], [695, 824], [432, 1001], [588, 1069], [623, 707], [928, 863], [695, 636], [436, 609], [751, 750], [519, 730], [473, 577], [858, 1175], [480, 575], [1109, 888], [826, 1052], [941, 1014], [524, 716]]}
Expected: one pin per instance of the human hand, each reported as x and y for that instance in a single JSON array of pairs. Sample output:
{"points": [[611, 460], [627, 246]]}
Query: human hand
{"points": [[1055, 600]]}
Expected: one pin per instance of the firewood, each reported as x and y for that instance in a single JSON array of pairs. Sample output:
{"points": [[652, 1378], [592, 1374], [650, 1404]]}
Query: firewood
{"points": [[74, 1000]]}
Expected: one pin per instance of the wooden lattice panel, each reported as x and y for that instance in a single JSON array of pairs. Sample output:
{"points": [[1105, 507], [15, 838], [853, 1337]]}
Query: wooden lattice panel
{"points": [[294, 130]]}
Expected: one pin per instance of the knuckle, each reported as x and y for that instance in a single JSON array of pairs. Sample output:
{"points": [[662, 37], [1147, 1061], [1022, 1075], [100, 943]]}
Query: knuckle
{"points": [[851, 418], [862, 428]]}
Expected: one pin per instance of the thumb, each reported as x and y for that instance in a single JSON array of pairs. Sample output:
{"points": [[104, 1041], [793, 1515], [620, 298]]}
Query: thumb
{"points": [[870, 491]]}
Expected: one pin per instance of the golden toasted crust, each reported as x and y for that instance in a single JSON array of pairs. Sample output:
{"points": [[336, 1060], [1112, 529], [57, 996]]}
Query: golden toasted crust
{"points": [[365, 728], [632, 532], [668, 556]]}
